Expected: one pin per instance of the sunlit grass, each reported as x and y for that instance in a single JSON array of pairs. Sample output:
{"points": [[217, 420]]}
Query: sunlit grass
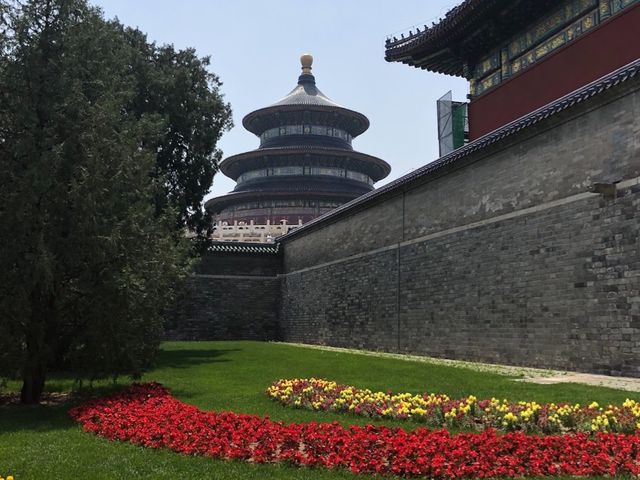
{"points": [[41, 442]]}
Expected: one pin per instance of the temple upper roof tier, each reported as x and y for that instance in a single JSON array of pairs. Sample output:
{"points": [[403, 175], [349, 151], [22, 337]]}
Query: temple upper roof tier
{"points": [[306, 93], [306, 104]]}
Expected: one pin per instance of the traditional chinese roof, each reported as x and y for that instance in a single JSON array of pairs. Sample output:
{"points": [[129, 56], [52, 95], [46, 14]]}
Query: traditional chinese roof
{"points": [[623, 74], [241, 247], [316, 189], [235, 165], [467, 32], [306, 93], [300, 103], [304, 129]]}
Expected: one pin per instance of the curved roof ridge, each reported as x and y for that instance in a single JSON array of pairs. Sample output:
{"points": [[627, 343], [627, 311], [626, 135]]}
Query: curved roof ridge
{"points": [[306, 93]]}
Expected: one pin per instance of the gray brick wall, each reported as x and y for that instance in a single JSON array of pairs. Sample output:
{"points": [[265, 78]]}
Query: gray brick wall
{"points": [[506, 258], [232, 296], [557, 288], [377, 226], [596, 147], [350, 304]]}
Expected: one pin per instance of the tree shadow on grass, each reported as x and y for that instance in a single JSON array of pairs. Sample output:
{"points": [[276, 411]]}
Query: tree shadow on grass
{"points": [[186, 358], [43, 418], [35, 418], [53, 412]]}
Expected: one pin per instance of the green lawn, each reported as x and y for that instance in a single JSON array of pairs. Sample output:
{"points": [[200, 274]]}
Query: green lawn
{"points": [[43, 443]]}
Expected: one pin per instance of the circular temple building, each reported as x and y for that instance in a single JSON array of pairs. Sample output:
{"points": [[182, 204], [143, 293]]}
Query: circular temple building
{"points": [[304, 167]]}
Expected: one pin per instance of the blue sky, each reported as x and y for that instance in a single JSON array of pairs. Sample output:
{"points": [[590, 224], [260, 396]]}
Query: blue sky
{"points": [[255, 48]]}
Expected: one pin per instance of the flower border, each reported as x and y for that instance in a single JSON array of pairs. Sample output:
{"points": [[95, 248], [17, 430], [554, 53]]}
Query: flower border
{"points": [[438, 410], [148, 415]]}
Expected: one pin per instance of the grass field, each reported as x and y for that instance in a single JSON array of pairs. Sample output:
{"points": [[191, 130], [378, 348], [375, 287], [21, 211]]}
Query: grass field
{"points": [[41, 442]]}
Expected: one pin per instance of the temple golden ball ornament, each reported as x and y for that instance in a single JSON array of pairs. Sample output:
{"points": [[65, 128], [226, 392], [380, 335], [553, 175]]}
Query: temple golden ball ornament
{"points": [[306, 59]]}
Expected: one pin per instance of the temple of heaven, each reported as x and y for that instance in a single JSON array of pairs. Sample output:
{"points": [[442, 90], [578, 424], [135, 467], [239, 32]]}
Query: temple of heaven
{"points": [[305, 165]]}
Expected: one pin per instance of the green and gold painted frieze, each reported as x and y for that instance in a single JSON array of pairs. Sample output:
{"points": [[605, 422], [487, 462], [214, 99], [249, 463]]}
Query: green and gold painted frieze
{"points": [[570, 20]]}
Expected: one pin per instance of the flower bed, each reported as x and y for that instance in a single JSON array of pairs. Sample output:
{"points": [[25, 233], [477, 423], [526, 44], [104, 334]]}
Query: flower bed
{"points": [[439, 410], [148, 415]]}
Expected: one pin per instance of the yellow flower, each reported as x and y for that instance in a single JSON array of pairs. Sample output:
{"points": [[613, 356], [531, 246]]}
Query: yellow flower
{"points": [[510, 417]]}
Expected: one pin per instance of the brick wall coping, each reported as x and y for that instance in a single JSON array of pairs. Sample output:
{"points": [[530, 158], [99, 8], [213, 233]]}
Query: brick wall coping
{"points": [[241, 247], [612, 79]]}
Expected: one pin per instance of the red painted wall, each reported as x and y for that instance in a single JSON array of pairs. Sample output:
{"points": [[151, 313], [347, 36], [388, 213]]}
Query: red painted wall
{"points": [[609, 46]]}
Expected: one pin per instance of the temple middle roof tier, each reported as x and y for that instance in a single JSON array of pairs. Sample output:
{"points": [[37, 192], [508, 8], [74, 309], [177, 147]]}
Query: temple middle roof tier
{"points": [[236, 165], [320, 183]]}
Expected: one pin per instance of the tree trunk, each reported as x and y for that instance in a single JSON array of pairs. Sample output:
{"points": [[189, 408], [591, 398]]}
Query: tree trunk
{"points": [[37, 350], [33, 371], [32, 382]]}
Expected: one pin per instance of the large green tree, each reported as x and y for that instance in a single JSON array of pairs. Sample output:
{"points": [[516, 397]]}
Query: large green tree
{"points": [[91, 238], [177, 85]]}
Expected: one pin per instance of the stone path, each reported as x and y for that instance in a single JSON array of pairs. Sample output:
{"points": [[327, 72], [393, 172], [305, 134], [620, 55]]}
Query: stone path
{"points": [[524, 374], [620, 383]]}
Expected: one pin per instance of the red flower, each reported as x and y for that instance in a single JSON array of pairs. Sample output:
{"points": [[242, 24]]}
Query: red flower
{"points": [[148, 415]]}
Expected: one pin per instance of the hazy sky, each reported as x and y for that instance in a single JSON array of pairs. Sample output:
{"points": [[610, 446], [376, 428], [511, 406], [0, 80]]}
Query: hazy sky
{"points": [[255, 48]]}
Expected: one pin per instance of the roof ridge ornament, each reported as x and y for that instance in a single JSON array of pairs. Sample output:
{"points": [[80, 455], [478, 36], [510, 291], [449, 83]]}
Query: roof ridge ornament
{"points": [[306, 60], [306, 78]]}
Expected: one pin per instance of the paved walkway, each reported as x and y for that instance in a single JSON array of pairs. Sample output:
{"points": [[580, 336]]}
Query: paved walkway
{"points": [[525, 374], [621, 383]]}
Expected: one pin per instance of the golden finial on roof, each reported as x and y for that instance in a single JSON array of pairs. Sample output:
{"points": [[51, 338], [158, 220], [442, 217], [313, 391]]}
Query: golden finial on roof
{"points": [[306, 59]]}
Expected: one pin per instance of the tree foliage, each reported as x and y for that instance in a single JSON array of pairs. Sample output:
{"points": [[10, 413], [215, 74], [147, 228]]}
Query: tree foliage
{"points": [[176, 85], [102, 162]]}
